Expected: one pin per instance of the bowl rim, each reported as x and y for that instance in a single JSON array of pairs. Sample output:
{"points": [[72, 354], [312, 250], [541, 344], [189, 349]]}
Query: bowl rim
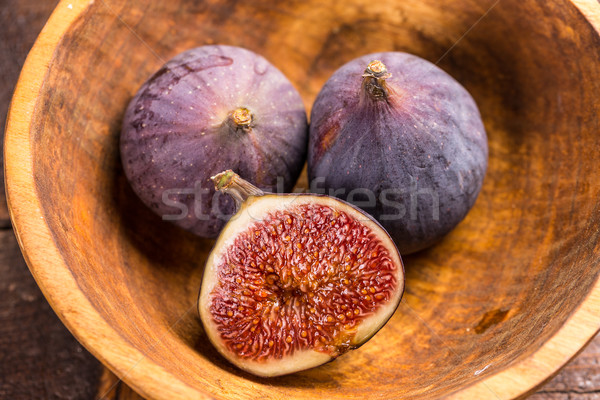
{"points": [[516, 380]]}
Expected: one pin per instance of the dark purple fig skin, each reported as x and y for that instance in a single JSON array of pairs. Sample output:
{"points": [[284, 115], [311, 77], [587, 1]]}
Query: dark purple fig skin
{"points": [[178, 132], [424, 141]]}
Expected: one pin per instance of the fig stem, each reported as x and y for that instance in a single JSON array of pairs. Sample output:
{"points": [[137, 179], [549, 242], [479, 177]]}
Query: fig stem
{"points": [[242, 118], [230, 183], [374, 80]]}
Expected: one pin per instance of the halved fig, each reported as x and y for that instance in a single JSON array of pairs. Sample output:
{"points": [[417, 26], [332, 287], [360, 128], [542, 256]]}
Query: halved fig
{"points": [[295, 280]]}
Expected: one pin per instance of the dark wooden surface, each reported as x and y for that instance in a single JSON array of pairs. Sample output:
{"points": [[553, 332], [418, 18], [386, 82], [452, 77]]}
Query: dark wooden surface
{"points": [[39, 359], [580, 380]]}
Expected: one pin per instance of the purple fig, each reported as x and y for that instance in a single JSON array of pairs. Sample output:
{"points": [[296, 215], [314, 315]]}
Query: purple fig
{"points": [[400, 138], [206, 110]]}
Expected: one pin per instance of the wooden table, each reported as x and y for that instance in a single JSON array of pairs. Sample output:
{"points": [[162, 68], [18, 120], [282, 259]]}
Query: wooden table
{"points": [[39, 359]]}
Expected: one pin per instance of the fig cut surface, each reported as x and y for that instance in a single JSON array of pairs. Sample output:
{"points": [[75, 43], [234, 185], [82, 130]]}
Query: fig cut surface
{"points": [[294, 281]]}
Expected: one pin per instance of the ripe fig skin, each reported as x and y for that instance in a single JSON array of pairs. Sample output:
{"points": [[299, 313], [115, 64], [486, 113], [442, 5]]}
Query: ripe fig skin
{"points": [[180, 129], [420, 150]]}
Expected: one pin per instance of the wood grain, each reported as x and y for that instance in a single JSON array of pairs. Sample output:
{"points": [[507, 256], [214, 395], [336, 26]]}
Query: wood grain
{"points": [[21, 22], [40, 358], [110, 387], [580, 380], [126, 283]]}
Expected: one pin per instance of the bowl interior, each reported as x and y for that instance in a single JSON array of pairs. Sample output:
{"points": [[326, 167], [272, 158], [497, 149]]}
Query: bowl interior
{"points": [[490, 294]]}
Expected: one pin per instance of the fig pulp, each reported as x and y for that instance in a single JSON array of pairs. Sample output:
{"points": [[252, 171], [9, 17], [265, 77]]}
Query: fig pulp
{"points": [[208, 109], [295, 280], [399, 137]]}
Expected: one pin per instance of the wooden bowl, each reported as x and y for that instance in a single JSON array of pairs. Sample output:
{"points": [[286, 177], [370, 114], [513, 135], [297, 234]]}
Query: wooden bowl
{"points": [[491, 312]]}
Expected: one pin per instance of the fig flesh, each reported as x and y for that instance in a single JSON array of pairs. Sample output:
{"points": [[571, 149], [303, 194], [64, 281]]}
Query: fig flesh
{"points": [[399, 137], [295, 280], [208, 109]]}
